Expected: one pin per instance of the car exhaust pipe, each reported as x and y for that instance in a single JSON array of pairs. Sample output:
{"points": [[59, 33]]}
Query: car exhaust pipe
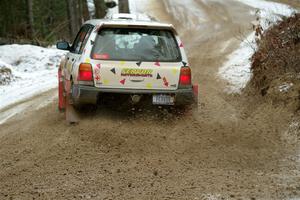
{"points": [[136, 98]]}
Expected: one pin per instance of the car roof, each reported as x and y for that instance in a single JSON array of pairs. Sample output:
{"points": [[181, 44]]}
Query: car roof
{"points": [[123, 16], [129, 22]]}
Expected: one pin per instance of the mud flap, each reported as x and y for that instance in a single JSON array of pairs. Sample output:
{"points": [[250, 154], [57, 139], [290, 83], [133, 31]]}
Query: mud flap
{"points": [[61, 98], [71, 114]]}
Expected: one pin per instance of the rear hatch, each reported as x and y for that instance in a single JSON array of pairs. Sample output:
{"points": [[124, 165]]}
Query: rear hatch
{"points": [[131, 75], [136, 58]]}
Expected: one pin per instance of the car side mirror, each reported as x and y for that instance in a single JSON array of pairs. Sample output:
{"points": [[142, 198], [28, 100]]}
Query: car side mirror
{"points": [[63, 46], [110, 4]]}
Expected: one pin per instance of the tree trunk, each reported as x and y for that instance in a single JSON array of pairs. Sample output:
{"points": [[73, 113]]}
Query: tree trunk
{"points": [[85, 10], [100, 9], [73, 17], [80, 12], [30, 19], [124, 6]]}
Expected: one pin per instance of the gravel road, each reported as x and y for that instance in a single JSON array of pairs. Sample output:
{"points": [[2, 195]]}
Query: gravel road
{"points": [[233, 147]]}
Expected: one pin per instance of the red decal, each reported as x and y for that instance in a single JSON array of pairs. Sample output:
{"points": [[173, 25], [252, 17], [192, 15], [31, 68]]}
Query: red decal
{"points": [[104, 56], [157, 63], [98, 66], [181, 45], [97, 78], [123, 81], [166, 83]]}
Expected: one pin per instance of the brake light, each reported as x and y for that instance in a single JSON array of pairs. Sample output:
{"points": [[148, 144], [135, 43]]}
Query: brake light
{"points": [[185, 76], [85, 72]]}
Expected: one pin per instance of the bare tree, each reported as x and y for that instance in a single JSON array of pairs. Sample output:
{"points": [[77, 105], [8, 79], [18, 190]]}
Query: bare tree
{"points": [[100, 8], [124, 6], [30, 18], [85, 10], [73, 17]]}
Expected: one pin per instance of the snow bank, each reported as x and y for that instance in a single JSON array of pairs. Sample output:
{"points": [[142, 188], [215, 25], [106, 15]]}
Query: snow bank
{"points": [[269, 12], [270, 8], [237, 68], [35, 69]]}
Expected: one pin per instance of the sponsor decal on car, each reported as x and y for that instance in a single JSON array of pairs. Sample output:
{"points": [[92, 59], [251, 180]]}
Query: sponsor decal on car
{"points": [[137, 72], [166, 83], [104, 56]]}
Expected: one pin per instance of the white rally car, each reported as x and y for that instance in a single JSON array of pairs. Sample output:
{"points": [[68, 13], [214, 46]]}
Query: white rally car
{"points": [[128, 57]]}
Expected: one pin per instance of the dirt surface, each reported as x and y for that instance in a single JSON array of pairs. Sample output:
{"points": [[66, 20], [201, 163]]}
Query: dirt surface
{"points": [[233, 147]]}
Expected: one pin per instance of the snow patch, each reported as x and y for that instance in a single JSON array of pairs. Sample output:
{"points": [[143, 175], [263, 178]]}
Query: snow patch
{"points": [[36, 69], [91, 8], [114, 10], [136, 6], [187, 10], [237, 69], [110, 12], [285, 87], [269, 12], [269, 8]]}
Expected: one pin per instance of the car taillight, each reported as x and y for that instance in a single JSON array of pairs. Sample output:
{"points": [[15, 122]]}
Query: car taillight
{"points": [[85, 72], [185, 76]]}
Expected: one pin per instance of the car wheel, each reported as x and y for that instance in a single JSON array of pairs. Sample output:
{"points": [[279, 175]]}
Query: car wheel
{"points": [[71, 114]]}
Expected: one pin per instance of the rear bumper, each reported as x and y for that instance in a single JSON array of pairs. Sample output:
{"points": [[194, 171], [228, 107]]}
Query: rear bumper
{"points": [[82, 94]]}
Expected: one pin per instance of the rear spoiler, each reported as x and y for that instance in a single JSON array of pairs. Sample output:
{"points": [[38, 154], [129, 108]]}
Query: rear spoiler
{"points": [[141, 26]]}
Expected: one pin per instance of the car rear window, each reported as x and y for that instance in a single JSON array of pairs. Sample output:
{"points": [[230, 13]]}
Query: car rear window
{"points": [[131, 44]]}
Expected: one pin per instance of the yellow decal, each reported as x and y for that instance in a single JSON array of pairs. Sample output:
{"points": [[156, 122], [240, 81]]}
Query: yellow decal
{"points": [[87, 60], [122, 62], [105, 82], [174, 70], [149, 85], [137, 72]]}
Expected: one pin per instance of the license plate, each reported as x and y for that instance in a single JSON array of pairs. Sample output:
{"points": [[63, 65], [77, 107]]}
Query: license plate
{"points": [[163, 99]]}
